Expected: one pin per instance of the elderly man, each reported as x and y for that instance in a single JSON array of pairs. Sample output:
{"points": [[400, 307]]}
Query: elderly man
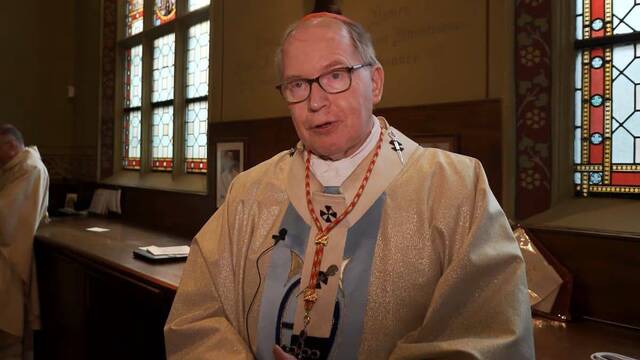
{"points": [[358, 243], [24, 192]]}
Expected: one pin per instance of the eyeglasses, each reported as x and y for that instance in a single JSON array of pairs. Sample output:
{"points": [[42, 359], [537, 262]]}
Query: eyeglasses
{"points": [[332, 82]]}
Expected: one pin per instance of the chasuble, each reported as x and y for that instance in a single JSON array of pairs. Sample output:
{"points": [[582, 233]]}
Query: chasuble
{"points": [[424, 266], [24, 195]]}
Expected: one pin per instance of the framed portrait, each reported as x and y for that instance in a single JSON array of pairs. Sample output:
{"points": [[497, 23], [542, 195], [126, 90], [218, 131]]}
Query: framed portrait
{"points": [[438, 141], [229, 163]]}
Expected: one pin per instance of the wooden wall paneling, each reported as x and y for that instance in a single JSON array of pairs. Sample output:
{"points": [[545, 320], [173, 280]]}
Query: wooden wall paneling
{"points": [[63, 313], [114, 304], [606, 269], [477, 124], [175, 213]]}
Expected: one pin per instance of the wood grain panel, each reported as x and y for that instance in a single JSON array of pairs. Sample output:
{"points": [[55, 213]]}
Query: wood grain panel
{"points": [[477, 124], [606, 269]]}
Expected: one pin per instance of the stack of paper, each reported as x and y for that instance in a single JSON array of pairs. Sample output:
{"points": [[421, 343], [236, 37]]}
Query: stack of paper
{"points": [[182, 250]]}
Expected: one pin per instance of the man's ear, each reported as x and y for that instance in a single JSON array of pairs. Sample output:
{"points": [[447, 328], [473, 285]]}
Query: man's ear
{"points": [[377, 83]]}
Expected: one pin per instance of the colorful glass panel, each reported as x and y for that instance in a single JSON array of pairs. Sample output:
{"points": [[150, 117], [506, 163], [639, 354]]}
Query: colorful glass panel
{"points": [[607, 124], [579, 19], [162, 138], [134, 17], [196, 137], [164, 11], [131, 138], [197, 4], [626, 16], [163, 68], [598, 18], [607, 141], [133, 77], [198, 60]]}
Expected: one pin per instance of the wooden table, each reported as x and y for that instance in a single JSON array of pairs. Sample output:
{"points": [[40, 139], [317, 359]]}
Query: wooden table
{"points": [[581, 338], [114, 248], [97, 301]]}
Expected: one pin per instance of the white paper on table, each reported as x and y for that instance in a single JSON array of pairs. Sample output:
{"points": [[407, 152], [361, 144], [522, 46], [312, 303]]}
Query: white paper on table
{"points": [[97, 229], [167, 250]]}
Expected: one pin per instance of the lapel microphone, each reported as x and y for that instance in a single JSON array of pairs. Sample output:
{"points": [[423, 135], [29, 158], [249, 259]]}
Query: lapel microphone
{"points": [[279, 236]]}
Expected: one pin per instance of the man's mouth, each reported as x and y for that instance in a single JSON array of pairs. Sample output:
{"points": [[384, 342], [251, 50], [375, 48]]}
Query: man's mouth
{"points": [[324, 125]]}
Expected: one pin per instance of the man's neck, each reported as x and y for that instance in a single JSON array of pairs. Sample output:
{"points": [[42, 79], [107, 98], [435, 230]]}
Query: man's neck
{"points": [[334, 172], [352, 149]]}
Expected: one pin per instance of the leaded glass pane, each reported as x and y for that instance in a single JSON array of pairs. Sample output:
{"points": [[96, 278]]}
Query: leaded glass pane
{"points": [[131, 139], [626, 118], [197, 4], [626, 16], [162, 138], [163, 68], [134, 17], [607, 139], [196, 137], [598, 18], [198, 60], [593, 18], [579, 19], [164, 11], [133, 77]]}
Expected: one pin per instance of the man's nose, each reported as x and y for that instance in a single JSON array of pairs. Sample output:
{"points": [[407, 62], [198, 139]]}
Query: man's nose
{"points": [[318, 98]]}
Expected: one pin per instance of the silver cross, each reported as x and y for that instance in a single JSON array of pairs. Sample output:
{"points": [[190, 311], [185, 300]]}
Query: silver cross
{"points": [[396, 146]]}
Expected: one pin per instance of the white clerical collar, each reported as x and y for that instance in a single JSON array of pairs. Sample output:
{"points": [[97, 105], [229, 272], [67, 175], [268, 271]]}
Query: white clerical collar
{"points": [[334, 173]]}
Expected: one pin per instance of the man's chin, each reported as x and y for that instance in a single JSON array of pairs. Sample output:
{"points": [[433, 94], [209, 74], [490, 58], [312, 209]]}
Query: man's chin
{"points": [[328, 154]]}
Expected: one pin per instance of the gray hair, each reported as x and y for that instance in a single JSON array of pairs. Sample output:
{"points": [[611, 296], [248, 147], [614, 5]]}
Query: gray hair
{"points": [[360, 39], [12, 131]]}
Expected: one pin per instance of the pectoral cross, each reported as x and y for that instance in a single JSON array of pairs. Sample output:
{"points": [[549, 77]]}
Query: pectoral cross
{"points": [[397, 147]]}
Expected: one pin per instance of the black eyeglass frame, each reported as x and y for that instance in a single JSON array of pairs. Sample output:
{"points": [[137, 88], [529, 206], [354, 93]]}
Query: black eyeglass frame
{"points": [[349, 69]]}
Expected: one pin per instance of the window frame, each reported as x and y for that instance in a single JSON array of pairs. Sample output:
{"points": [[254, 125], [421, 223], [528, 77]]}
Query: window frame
{"points": [[178, 179]]}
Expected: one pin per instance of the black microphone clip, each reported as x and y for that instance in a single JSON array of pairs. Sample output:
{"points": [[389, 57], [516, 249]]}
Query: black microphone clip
{"points": [[279, 236]]}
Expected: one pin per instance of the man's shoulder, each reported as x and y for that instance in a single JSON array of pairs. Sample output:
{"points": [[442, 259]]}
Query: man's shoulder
{"points": [[33, 163], [26, 164], [432, 169], [433, 159]]}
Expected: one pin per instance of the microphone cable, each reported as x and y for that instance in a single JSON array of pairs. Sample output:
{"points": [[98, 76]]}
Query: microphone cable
{"points": [[280, 236]]}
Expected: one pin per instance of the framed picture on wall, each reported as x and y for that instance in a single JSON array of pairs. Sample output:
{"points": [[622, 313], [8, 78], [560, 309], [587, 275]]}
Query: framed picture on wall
{"points": [[230, 158], [438, 141]]}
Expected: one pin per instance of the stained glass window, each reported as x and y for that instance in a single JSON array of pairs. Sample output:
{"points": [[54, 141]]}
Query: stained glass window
{"points": [[196, 4], [163, 68], [134, 17], [198, 60], [131, 140], [164, 11], [162, 90], [147, 136], [131, 131], [197, 89], [607, 98], [133, 77], [162, 138], [196, 137]]}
